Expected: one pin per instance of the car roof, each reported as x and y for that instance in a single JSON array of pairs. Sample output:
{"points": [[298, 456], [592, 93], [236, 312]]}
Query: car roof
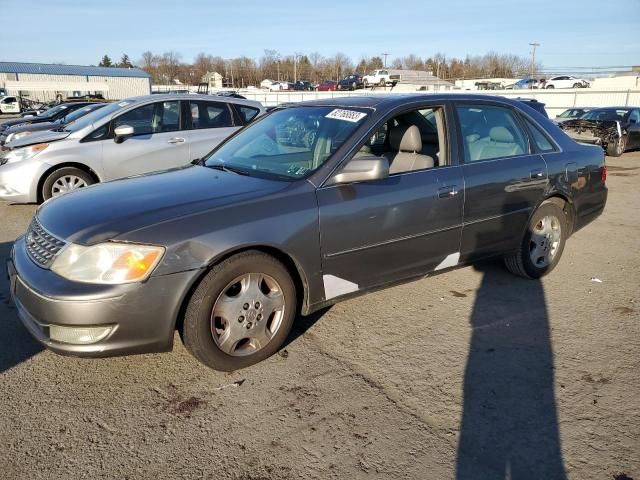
{"points": [[191, 96]]}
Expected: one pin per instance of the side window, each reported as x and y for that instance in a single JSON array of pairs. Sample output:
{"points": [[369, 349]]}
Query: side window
{"points": [[210, 115], [635, 116], [412, 141], [246, 114], [152, 118], [141, 119], [540, 139], [490, 132]]}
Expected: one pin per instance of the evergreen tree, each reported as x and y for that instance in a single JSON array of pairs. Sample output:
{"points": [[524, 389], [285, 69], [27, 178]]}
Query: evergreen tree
{"points": [[105, 62]]}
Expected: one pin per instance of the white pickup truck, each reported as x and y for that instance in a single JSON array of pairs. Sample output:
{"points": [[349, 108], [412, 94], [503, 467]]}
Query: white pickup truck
{"points": [[9, 105], [381, 77]]}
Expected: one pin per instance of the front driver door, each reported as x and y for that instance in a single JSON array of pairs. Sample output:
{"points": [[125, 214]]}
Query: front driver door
{"points": [[158, 143], [381, 231]]}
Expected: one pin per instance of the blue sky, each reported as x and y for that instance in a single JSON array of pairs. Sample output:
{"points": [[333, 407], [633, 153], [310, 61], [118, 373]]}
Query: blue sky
{"points": [[572, 33]]}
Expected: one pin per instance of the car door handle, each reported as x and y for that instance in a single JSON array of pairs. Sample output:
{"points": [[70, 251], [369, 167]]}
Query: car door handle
{"points": [[447, 192], [176, 140], [535, 174]]}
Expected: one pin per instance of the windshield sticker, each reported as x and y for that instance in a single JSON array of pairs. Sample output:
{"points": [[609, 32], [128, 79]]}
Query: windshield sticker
{"points": [[123, 104], [346, 115]]}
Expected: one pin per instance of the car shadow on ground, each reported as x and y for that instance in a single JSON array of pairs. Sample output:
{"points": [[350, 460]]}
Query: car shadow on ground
{"points": [[509, 425], [16, 344]]}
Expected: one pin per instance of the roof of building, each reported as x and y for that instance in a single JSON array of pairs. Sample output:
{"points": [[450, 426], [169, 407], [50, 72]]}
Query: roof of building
{"points": [[51, 69]]}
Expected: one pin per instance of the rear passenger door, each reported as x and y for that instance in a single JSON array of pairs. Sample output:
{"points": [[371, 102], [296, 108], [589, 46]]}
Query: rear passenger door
{"points": [[210, 123], [504, 181], [157, 143]]}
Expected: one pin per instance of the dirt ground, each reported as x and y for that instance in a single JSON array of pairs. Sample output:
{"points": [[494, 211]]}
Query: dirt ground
{"points": [[474, 373]]}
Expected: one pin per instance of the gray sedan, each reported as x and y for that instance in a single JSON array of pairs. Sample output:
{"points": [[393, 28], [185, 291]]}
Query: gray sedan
{"points": [[307, 206], [131, 137]]}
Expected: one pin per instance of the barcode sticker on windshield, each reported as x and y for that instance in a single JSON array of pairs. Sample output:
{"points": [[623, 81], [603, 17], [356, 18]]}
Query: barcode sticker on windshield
{"points": [[347, 115]]}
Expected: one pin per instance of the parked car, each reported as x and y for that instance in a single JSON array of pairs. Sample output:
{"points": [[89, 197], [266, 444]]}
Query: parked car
{"points": [[131, 137], [50, 115], [327, 85], [527, 83], [570, 114], [303, 85], [351, 82], [616, 129], [566, 81], [277, 86], [380, 77], [307, 206], [20, 131], [9, 104]]}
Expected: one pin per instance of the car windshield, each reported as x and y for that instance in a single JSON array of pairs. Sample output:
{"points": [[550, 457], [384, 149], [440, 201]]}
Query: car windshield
{"points": [[96, 115], [288, 144], [80, 112], [53, 111], [609, 114]]}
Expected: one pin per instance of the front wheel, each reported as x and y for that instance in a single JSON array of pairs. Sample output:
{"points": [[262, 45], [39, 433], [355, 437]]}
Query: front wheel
{"points": [[549, 86], [241, 312], [365, 83], [543, 242], [617, 148], [65, 180]]}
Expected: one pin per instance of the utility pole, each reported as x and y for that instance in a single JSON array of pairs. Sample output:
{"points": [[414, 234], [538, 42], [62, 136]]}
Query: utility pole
{"points": [[385, 55], [533, 58]]}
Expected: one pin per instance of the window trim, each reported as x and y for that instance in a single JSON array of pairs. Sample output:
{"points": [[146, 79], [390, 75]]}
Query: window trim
{"points": [[461, 144]]}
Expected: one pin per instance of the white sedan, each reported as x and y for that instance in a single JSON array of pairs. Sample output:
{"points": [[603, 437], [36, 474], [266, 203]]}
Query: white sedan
{"points": [[566, 81]]}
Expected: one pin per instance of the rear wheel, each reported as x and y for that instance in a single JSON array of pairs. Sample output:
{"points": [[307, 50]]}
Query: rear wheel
{"points": [[382, 82], [617, 148], [549, 86], [543, 242], [365, 83], [64, 180], [577, 85], [241, 312]]}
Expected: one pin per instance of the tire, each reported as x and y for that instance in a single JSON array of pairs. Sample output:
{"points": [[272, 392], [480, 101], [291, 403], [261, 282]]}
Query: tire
{"points": [[538, 244], [577, 85], [206, 323], [617, 148], [382, 83], [365, 83], [72, 177], [549, 86]]}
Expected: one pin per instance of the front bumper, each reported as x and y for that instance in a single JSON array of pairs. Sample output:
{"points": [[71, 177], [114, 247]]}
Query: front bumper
{"points": [[19, 180], [143, 314]]}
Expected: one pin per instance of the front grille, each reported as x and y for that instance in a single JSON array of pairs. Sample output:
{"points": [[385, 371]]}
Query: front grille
{"points": [[41, 245]]}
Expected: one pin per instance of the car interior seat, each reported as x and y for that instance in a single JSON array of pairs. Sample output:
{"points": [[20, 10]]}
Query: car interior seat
{"points": [[501, 144], [406, 142]]}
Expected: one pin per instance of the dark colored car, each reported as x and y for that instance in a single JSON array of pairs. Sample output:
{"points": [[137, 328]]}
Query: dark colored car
{"points": [[571, 114], [307, 206], [616, 129], [20, 131], [50, 115], [327, 86], [303, 85], [351, 82]]}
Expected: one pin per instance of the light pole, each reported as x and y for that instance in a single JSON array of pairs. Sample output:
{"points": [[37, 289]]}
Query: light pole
{"points": [[533, 58], [385, 55]]}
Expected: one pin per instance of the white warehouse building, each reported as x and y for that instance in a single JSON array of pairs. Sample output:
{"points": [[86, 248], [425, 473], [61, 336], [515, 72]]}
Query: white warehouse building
{"points": [[46, 82]]}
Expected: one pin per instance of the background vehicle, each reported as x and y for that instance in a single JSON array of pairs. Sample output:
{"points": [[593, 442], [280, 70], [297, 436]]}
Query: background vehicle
{"points": [[616, 129], [380, 77], [20, 131], [131, 137], [327, 85], [535, 104], [50, 115], [527, 83], [351, 82], [566, 81], [9, 104], [308, 206], [303, 85], [570, 114]]}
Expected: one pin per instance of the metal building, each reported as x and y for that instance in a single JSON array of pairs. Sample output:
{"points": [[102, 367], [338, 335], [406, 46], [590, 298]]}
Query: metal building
{"points": [[45, 82]]}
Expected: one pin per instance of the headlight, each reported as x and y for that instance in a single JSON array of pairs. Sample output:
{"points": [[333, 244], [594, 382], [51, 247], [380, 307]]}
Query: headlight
{"points": [[15, 136], [107, 263], [24, 153]]}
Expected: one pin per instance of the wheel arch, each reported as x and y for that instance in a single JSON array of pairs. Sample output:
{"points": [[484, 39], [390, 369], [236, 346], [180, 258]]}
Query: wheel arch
{"points": [[564, 202], [293, 267], [53, 168]]}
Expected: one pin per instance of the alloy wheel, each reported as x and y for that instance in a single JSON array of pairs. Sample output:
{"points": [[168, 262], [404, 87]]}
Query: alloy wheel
{"points": [[67, 183], [545, 240]]}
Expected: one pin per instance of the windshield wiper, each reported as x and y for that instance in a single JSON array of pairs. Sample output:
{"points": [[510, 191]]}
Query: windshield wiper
{"points": [[228, 169]]}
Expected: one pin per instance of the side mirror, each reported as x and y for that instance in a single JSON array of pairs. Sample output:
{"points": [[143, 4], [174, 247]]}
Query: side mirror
{"points": [[198, 161], [362, 169], [122, 132]]}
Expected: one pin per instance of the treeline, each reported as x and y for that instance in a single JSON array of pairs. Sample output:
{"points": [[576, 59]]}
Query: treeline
{"points": [[243, 71]]}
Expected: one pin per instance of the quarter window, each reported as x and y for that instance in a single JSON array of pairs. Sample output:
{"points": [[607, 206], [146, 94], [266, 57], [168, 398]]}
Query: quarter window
{"points": [[246, 113], [210, 115], [490, 132], [540, 139]]}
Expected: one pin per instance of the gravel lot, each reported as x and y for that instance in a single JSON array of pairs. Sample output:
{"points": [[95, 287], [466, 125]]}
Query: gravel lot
{"points": [[474, 371]]}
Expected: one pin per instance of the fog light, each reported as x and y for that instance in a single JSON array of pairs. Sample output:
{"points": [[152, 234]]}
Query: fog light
{"points": [[79, 335]]}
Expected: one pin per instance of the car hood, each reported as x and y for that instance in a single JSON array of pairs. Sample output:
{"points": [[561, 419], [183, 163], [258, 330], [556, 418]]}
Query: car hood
{"points": [[45, 136], [580, 123], [109, 210], [34, 127]]}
